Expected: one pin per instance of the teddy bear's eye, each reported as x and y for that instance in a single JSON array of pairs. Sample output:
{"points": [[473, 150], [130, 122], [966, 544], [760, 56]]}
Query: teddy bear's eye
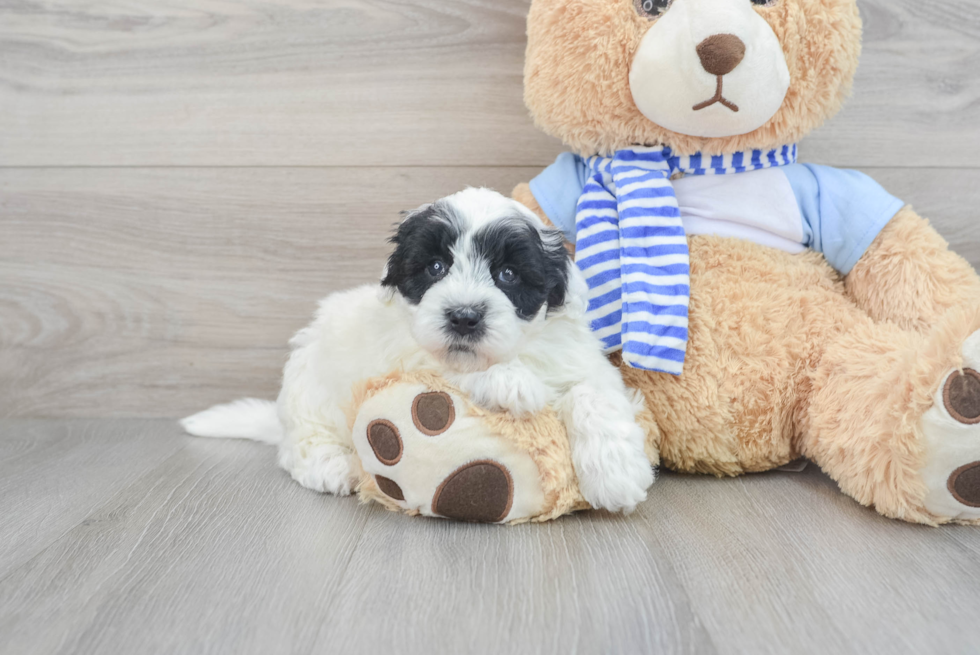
{"points": [[652, 8]]}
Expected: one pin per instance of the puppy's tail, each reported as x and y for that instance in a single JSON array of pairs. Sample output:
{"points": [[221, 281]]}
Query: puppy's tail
{"points": [[248, 418]]}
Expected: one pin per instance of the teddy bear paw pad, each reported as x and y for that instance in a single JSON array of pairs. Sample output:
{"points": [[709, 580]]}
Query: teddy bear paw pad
{"points": [[961, 396], [426, 452], [479, 491], [951, 429], [385, 441], [964, 484], [433, 412], [389, 487]]}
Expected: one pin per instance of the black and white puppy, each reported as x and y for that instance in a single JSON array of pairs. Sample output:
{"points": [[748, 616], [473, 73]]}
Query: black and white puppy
{"points": [[478, 289]]}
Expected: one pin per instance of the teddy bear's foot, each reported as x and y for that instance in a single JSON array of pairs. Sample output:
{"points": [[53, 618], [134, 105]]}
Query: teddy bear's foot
{"points": [[427, 453], [951, 430], [894, 418]]}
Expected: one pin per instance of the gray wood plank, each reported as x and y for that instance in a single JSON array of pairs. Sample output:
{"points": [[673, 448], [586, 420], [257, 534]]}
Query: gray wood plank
{"points": [[431, 82], [782, 562], [213, 550], [53, 474], [915, 100], [591, 583], [155, 292], [209, 82]]}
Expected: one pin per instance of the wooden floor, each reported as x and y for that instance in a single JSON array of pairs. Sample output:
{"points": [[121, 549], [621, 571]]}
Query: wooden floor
{"points": [[125, 536], [181, 180]]}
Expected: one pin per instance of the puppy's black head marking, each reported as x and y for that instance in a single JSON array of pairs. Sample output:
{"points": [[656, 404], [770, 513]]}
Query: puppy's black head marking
{"points": [[424, 238], [528, 269]]}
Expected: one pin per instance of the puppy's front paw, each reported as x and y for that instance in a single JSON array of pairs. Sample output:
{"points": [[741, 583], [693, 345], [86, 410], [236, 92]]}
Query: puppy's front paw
{"points": [[607, 448], [507, 387], [614, 474]]}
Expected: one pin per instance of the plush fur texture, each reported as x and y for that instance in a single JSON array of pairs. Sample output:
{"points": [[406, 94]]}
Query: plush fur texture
{"points": [[910, 277], [785, 357]]}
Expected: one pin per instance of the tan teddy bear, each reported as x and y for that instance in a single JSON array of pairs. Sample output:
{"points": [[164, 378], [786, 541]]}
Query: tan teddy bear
{"points": [[767, 310]]}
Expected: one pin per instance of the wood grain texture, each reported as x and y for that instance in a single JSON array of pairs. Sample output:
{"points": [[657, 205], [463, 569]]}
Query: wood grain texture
{"points": [[592, 584], [783, 562], [155, 292], [916, 99], [212, 549], [90, 466], [254, 82], [430, 82]]}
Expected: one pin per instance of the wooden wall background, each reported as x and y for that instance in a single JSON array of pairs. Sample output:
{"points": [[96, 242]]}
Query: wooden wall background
{"points": [[181, 180]]}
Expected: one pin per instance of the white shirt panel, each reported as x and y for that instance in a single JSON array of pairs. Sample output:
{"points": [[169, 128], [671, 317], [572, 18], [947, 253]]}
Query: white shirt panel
{"points": [[759, 206]]}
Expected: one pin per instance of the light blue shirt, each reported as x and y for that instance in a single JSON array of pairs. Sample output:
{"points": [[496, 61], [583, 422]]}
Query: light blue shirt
{"points": [[836, 212]]}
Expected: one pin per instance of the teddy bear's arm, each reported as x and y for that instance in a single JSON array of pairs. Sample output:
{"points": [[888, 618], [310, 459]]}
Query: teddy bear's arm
{"points": [[909, 276], [522, 194]]}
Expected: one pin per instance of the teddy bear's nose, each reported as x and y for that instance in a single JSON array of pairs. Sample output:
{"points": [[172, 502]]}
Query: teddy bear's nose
{"points": [[721, 53]]}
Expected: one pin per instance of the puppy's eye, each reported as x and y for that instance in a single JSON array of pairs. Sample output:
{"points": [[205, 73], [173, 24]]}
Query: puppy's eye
{"points": [[437, 268], [652, 8], [507, 276], [765, 3]]}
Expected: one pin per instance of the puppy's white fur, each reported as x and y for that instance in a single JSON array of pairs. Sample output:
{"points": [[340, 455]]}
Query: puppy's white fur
{"points": [[519, 364]]}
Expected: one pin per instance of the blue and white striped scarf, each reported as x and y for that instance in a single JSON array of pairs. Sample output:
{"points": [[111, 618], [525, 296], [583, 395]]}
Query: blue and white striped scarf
{"points": [[631, 246]]}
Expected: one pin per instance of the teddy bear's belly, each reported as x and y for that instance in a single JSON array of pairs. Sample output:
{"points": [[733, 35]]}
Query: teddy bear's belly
{"points": [[759, 321]]}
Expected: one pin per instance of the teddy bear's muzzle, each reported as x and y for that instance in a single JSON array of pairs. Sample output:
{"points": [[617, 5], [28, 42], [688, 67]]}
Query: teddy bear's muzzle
{"points": [[723, 63]]}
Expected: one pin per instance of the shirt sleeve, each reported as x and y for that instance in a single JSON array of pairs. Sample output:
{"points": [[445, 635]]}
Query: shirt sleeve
{"points": [[843, 211], [557, 189]]}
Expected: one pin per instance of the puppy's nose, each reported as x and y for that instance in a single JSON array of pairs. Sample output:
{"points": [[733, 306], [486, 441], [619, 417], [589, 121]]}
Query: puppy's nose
{"points": [[465, 320], [721, 53]]}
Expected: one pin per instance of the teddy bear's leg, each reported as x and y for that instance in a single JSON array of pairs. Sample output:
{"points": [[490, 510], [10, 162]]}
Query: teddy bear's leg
{"points": [[522, 194], [894, 417], [910, 277], [425, 449]]}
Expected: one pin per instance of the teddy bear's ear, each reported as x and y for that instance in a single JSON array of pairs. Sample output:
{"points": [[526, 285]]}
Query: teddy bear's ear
{"points": [[600, 75]]}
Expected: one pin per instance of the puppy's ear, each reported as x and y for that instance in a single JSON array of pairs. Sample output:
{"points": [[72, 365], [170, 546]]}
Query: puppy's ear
{"points": [[425, 234], [391, 270], [558, 266], [386, 292], [394, 268], [570, 292]]}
